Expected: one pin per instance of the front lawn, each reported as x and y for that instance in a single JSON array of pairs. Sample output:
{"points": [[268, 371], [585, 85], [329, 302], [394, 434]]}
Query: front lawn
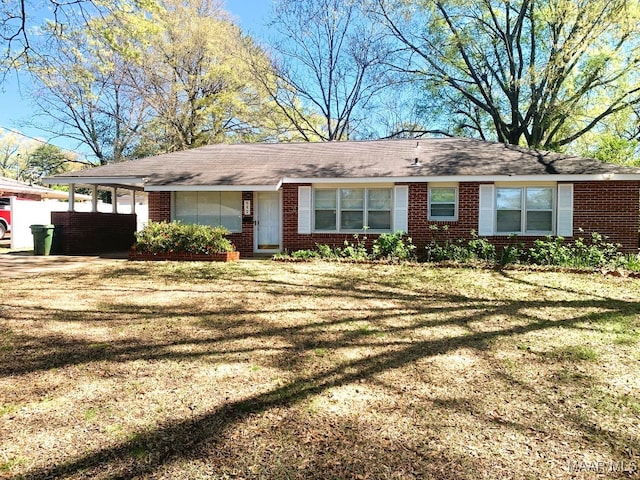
{"points": [[318, 370]]}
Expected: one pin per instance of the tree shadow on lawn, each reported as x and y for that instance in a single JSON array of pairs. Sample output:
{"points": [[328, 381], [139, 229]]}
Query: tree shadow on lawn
{"points": [[194, 439]]}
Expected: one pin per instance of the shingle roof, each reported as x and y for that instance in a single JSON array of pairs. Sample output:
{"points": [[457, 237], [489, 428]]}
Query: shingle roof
{"points": [[11, 187], [268, 164]]}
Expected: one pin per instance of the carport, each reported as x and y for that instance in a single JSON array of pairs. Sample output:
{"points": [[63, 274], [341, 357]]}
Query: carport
{"points": [[94, 231]]}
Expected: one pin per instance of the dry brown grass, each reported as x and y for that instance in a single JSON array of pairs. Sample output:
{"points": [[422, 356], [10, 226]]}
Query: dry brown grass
{"points": [[269, 370]]}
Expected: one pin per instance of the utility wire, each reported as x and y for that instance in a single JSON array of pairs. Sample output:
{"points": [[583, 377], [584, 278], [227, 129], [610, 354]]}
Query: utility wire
{"points": [[44, 142]]}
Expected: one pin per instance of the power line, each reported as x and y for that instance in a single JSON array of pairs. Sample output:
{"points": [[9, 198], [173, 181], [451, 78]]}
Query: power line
{"points": [[39, 140]]}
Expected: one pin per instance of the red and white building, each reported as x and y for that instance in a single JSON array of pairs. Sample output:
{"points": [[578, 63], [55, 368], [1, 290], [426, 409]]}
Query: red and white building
{"points": [[277, 197]]}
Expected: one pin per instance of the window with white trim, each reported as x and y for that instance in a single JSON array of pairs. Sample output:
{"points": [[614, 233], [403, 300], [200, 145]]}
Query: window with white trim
{"points": [[525, 210], [352, 209], [210, 208], [443, 203]]}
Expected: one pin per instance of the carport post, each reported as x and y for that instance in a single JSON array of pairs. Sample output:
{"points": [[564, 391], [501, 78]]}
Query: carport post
{"points": [[133, 201], [114, 200], [72, 197], [94, 199]]}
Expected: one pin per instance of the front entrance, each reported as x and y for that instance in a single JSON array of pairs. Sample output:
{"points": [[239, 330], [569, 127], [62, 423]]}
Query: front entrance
{"points": [[267, 228]]}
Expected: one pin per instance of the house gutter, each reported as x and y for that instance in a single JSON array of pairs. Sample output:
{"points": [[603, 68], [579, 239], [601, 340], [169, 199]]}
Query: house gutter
{"points": [[599, 177]]}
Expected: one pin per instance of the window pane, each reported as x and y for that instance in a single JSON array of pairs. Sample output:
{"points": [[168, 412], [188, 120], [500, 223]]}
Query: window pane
{"points": [[380, 220], [325, 220], [351, 199], [231, 211], [443, 195], [230, 203], [539, 221], [539, 198], [509, 199], [443, 210], [325, 199], [509, 221], [186, 207], [351, 220], [379, 199]]}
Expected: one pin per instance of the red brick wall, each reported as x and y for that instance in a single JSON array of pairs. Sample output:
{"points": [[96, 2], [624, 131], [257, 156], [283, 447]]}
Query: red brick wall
{"points": [[160, 206], [244, 241], [78, 233], [609, 208]]}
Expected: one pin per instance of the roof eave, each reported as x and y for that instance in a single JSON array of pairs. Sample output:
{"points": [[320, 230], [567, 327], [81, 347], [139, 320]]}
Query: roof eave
{"points": [[216, 188], [124, 181], [473, 178]]}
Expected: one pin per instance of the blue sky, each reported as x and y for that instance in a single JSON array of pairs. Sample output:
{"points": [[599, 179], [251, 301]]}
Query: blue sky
{"points": [[15, 107]]}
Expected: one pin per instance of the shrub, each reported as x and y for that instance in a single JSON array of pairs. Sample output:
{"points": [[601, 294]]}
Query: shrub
{"points": [[481, 248], [394, 247], [325, 251], [455, 251], [630, 262], [460, 250], [550, 251], [512, 252], [355, 250], [596, 252], [305, 254], [176, 237]]}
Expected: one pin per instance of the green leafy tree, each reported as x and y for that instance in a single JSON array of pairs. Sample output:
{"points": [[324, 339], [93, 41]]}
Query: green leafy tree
{"points": [[28, 160], [46, 160], [533, 72], [191, 69], [138, 80]]}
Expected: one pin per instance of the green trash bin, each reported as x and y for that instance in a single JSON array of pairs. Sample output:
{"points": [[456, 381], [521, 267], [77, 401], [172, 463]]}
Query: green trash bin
{"points": [[42, 238]]}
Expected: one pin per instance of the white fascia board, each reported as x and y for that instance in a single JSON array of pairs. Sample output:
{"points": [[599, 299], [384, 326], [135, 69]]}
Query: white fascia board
{"points": [[212, 188], [603, 177], [124, 181]]}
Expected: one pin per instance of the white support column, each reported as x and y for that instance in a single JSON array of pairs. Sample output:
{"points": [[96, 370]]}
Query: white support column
{"points": [[72, 197], [114, 200], [94, 199], [133, 201]]}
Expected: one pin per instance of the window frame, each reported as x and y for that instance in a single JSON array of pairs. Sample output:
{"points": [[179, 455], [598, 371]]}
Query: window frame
{"points": [[447, 218], [339, 209], [524, 210]]}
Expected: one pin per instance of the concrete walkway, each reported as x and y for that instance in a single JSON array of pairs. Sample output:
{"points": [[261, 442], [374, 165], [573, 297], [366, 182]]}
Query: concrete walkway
{"points": [[19, 264]]}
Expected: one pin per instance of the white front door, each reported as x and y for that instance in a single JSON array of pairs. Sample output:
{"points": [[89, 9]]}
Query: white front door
{"points": [[267, 234]]}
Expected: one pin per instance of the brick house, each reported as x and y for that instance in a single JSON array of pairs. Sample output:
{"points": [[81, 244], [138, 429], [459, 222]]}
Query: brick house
{"points": [[276, 197]]}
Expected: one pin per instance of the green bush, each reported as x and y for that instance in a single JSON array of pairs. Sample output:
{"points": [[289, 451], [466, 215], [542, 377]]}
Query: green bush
{"points": [[452, 251], [394, 247], [305, 254], [481, 248], [630, 262], [176, 237], [355, 250], [550, 251], [594, 253], [326, 252], [512, 252], [461, 250]]}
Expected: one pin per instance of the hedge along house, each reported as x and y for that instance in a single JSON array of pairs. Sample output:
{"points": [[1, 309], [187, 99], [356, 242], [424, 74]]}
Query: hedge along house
{"points": [[276, 197]]}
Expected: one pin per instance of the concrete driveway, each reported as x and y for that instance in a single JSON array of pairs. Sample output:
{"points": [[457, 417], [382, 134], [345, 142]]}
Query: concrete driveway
{"points": [[21, 264]]}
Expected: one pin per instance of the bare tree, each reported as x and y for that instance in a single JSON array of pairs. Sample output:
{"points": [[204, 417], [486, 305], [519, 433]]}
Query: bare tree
{"points": [[329, 62], [540, 72], [83, 96]]}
